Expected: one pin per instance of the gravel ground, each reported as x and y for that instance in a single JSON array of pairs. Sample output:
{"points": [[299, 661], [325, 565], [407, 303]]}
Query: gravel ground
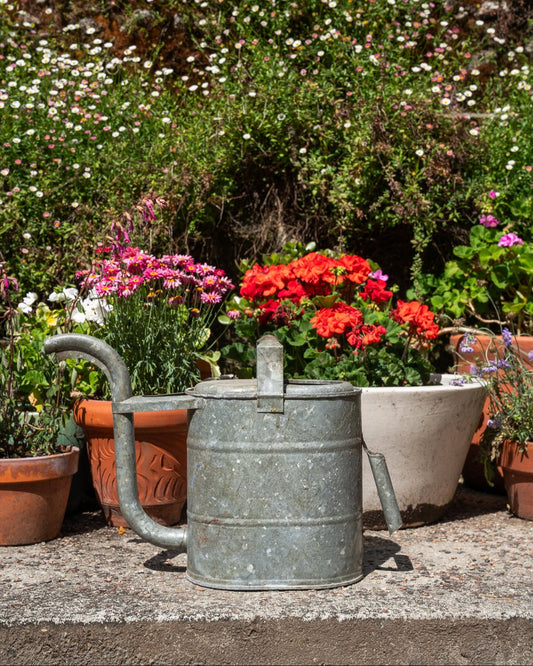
{"points": [[472, 569]]}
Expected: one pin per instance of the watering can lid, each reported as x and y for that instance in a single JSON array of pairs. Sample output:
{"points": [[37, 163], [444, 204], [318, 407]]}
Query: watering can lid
{"points": [[245, 389]]}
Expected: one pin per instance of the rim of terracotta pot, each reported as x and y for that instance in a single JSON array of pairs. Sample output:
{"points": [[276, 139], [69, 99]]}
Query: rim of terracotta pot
{"points": [[101, 410], [14, 470], [511, 456], [484, 343]]}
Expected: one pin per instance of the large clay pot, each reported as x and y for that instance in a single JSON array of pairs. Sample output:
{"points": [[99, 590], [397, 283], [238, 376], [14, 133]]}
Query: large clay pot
{"points": [[424, 433], [161, 455], [485, 347], [33, 496], [517, 469]]}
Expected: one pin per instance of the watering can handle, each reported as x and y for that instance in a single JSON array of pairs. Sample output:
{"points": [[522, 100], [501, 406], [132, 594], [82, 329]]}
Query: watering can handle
{"points": [[389, 504], [73, 345], [269, 375]]}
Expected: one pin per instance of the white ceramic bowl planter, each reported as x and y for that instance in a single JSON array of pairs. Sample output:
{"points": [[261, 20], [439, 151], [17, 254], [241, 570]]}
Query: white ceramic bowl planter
{"points": [[424, 432]]}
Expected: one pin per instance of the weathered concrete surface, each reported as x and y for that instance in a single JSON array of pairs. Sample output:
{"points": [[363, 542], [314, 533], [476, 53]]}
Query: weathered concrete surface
{"points": [[288, 641], [456, 592]]}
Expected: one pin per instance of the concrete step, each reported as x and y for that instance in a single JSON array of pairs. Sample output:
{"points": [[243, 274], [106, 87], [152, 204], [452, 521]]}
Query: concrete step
{"points": [[455, 592]]}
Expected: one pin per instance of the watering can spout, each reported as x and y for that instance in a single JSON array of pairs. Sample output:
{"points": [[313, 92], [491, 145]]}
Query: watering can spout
{"points": [[71, 345], [387, 497]]}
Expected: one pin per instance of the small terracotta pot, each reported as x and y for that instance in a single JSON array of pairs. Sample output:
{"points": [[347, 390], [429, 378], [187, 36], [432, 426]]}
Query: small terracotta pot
{"points": [[33, 496], [473, 472], [161, 457], [518, 477]]}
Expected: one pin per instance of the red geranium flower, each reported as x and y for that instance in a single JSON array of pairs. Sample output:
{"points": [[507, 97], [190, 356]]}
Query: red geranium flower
{"points": [[372, 334], [366, 335], [268, 310], [294, 291], [314, 268], [357, 268], [259, 283], [376, 292], [419, 317], [336, 320]]}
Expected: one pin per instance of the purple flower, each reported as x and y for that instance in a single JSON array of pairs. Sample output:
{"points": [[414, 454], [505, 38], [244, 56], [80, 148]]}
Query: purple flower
{"points": [[234, 314], [493, 194], [494, 423], [467, 343], [503, 364], [530, 355], [508, 240], [507, 337], [460, 381], [379, 275], [488, 221]]}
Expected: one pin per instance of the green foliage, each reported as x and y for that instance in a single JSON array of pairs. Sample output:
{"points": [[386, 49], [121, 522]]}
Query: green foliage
{"points": [[35, 391], [159, 343], [306, 121], [487, 278], [508, 371]]}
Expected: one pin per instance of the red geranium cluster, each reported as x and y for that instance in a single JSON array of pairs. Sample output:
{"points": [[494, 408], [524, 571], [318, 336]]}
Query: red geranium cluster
{"points": [[336, 317], [312, 275], [349, 281]]}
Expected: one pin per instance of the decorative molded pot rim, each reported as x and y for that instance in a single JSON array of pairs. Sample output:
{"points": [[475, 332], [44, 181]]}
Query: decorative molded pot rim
{"points": [[424, 432]]}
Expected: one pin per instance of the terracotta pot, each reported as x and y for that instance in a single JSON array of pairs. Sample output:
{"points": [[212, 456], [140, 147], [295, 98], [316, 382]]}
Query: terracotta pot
{"points": [[518, 477], [161, 456], [33, 496], [473, 472], [424, 433]]}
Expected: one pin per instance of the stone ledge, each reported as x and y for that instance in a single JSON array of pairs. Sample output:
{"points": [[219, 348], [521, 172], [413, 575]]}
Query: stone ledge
{"points": [[455, 592]]}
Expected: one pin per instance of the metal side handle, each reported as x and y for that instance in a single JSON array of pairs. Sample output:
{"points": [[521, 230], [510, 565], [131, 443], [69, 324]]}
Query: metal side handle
{"points": [[387, 497]]}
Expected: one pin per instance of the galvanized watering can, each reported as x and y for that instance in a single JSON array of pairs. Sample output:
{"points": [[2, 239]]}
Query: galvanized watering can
{"points": [[273, 473]]}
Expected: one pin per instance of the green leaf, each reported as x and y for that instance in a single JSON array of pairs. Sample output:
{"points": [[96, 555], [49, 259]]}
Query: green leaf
{"points": [[464, 252]]}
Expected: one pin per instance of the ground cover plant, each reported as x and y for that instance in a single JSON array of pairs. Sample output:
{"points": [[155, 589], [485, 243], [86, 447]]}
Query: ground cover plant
{"points": [[376, 127]]}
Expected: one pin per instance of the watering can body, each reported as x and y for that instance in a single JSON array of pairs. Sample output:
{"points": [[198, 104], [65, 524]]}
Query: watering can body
{"points": [[274, 495], [274, 498]]}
